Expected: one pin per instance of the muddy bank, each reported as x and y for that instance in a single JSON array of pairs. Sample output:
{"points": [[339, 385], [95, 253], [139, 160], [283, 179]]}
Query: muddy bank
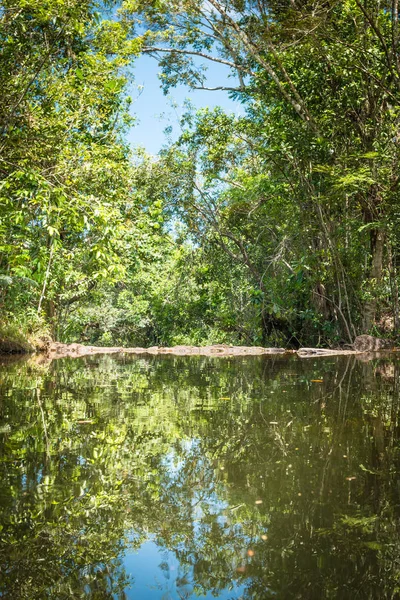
{"points": [[59, 350]]}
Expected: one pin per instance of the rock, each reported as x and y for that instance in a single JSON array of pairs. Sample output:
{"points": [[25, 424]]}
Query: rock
{"points": [[369, 343], [43, 343], [312, 352]]}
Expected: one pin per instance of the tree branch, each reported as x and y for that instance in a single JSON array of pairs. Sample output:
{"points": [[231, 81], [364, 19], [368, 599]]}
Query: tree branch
{"points": [[152, 49]]}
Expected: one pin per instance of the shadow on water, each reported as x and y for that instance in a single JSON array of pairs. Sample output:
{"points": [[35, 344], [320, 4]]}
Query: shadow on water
{"points": [[175, 477]]}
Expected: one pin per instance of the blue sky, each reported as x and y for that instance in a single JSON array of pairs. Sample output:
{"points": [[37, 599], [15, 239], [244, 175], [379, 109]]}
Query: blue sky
{"points": [[155, 112]]}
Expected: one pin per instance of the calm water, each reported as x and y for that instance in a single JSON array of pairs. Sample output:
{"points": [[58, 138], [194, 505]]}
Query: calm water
{"points": [[165, 478]]}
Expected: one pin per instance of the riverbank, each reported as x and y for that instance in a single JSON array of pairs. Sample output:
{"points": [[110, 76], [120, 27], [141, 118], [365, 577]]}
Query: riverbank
{"points": [[55, 350], [59, 350]]}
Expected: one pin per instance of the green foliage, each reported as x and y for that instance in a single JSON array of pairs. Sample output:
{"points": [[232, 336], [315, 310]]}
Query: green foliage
{"points": [[280, 226], [309, 173], [64, 169]]}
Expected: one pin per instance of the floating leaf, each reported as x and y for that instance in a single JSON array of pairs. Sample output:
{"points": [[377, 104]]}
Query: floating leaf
{"points": [[368, 470], [373, 545]]}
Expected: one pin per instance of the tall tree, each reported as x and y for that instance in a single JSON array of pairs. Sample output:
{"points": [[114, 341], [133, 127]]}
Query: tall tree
{"points": [[321, 84], [64, 166]]}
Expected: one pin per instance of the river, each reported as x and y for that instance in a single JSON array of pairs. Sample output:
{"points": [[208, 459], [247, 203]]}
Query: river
{"points": [[170, 478]]}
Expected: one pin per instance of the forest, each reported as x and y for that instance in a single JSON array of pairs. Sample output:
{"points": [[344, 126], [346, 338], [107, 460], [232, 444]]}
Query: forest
{"points": [[279, 226]]}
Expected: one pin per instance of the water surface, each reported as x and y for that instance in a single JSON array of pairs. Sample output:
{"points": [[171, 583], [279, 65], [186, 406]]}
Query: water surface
{"points": [[170, 478]]}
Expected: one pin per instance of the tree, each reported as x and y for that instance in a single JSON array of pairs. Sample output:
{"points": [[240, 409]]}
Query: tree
{"points": [[321, 85], [64, 170]]}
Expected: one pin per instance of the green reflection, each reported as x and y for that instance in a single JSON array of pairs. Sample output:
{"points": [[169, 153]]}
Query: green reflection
{"points": [[276, 477]]}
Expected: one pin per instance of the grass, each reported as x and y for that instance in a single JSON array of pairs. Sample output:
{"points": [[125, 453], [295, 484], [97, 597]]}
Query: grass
{"points": [[17, 337]]}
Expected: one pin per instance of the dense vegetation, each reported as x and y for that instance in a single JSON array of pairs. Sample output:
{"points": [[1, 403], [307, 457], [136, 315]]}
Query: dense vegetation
{"points": [[279, 226]]}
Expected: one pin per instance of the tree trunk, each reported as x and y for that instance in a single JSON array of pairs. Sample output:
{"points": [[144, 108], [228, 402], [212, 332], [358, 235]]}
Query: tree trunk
{"points": [[375, 277], [392, 257]]}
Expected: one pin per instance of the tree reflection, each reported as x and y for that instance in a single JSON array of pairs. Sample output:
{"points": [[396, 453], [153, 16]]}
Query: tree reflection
{"points": [[280, 475]]}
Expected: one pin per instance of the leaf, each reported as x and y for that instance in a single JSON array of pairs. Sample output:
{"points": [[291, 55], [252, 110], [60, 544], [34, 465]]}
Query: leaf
{"points": [[5, 280], [373, 225], [113, 85], [52, 230], [368, 470], [373, 545], [370, 155]]}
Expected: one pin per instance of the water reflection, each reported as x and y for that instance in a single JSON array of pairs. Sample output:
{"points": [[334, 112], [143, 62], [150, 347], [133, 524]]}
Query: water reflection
{"points": [[170, 477]]}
